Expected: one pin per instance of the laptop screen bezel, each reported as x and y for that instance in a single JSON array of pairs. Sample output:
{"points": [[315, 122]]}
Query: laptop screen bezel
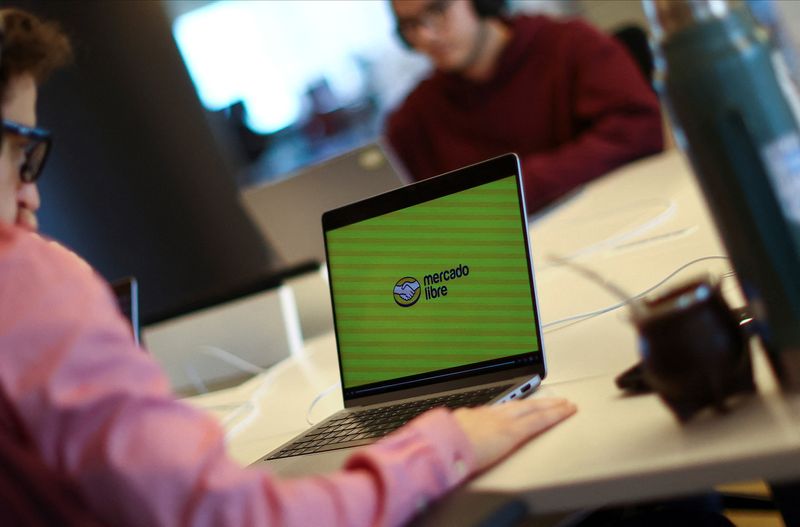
{"points": [[126, 292], [423, 191]]}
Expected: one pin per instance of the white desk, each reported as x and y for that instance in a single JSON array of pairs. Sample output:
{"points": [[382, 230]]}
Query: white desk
{"points": [[634, 227]]}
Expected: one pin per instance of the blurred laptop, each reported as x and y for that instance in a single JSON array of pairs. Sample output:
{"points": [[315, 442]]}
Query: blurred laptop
{"points": [[288, 211]]}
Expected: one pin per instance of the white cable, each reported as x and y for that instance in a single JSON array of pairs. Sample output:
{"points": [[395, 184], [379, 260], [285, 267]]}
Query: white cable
{"points": [[225, 356], [588, 314], [617, 239], [237, 362], [195, 379], [597, 312], [239, 408], [258, 393], [231, 358], [251, 404], [317, 399]]}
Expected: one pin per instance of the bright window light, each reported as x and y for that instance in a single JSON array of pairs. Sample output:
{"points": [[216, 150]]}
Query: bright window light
{"points": [[268, 53]]}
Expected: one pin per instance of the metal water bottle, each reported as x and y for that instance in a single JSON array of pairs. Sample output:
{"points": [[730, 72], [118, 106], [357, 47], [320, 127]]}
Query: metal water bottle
{"points": [[733, 117]]}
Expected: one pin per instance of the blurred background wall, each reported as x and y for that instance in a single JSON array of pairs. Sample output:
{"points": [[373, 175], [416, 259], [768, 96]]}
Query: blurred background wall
{"points": [[145, 173], [137, 183]]}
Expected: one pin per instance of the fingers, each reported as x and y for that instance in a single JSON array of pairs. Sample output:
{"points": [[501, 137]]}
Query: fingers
{"points": [[522, 407], [536, 422], [496, 431], [533, 416]]}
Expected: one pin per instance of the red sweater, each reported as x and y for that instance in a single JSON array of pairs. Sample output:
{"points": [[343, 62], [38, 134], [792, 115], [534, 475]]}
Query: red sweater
{"points": [[565, 97]]}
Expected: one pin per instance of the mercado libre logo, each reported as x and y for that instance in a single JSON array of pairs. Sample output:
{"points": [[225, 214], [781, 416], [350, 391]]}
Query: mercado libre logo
{"points": [[407, 290]]}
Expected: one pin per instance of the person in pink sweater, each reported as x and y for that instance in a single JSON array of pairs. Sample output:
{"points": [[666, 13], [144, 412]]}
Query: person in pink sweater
{"points": [[565, 97], [79, 398]]}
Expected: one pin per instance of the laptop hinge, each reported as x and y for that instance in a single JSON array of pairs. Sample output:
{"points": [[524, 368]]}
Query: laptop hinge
{"points": [[439, 387]]}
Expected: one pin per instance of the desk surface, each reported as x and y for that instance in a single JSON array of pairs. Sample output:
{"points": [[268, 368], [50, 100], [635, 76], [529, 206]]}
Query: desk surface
{"points": [[635, 227]]}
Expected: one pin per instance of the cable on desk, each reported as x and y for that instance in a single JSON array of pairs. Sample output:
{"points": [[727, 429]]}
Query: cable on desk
{"points": [[591, 314], [195, 379], [249, 406], [317, 399], [246, 406], [252, 407], [618, 239], [223, 355], [231, 358], [251, 402]]}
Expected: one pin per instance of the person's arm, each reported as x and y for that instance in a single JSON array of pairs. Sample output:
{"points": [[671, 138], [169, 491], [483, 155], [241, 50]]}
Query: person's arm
{"points": [[619, 110], [99, 410]]}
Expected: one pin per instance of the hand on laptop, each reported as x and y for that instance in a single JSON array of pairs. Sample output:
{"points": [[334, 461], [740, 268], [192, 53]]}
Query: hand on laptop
{"points": [[496, 431]]}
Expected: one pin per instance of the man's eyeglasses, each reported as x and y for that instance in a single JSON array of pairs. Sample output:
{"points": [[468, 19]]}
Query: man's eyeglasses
{"points": [[431, 17], [36, 147]]}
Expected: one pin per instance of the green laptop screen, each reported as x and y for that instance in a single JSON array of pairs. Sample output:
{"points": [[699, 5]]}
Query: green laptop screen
{"points": [[437, 285]]}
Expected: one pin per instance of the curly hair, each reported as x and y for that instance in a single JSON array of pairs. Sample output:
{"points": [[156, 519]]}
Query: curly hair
{"points": [[30, 46]]}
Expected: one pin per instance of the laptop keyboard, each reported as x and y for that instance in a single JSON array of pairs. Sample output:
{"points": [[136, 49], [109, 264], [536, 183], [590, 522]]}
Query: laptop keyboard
{"points": [[366, 426]]}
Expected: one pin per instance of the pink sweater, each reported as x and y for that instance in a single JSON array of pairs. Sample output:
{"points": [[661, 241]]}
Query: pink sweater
{"points": [[100, 411]]}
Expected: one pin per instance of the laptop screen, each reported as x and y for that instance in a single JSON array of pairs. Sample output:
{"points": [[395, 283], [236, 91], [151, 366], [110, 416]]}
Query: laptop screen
{"points": [[436, 288]]}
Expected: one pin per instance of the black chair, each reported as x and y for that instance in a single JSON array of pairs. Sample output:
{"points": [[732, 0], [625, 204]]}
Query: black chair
{"points": [[635, 40]]}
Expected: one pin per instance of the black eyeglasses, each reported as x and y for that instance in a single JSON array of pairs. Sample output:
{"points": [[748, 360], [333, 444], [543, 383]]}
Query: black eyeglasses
{"points": [[432, 16], [36, 147]]}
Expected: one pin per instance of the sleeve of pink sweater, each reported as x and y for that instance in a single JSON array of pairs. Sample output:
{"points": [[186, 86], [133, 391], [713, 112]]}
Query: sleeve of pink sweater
{"points": [[99, 410]]}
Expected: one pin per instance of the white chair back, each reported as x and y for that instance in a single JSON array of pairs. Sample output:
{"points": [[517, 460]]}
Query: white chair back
{"points": [[216, 344]]}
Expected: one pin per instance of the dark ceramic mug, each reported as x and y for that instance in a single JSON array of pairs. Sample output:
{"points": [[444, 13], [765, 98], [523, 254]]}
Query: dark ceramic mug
{"points": [[694, 352]]}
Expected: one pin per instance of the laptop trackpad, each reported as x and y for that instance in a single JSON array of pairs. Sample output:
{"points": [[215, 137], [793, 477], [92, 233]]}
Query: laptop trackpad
{"points": [[308, 464]]}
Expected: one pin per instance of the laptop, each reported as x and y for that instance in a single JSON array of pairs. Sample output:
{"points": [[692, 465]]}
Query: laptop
{"points": [[287, 211], [126, 293], [434, 304]]}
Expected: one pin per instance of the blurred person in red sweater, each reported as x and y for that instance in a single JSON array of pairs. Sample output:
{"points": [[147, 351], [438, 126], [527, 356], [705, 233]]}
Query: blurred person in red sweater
{"points": [[564, 96]]}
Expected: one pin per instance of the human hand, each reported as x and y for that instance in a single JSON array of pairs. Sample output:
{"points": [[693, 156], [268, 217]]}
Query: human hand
{"points": [[496, 431], [406, 291]]}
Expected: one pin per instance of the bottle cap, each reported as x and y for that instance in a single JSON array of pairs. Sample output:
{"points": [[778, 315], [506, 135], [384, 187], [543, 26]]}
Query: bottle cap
{"points": [[667, 17]]}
